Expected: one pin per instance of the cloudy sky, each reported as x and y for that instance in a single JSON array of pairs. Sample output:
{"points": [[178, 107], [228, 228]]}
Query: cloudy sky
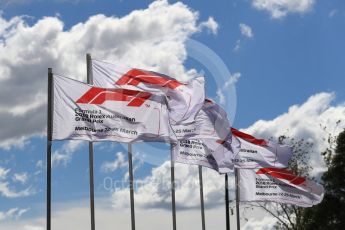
{"points": [[275, 65]]}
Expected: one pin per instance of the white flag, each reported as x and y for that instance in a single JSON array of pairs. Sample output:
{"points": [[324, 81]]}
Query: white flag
{"points": [[85, 112], [278, 185], [207, 141], [194, 152], [184, 99], [210, 123], [259, 153], [205, 152]]}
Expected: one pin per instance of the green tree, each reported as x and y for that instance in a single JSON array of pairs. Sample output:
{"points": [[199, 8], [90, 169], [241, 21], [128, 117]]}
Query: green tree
{"points": [[330, 213]]}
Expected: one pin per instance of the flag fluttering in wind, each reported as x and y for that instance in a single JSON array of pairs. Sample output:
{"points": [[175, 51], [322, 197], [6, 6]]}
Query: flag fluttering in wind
{"points": [[184, 99], [208, 140], [194, 152], [129, 104], [206, 152], [259, 153], [278, 185], [210, 122], [85, 112]]}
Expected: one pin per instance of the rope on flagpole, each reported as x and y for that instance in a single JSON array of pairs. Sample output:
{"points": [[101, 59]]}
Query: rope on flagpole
{"points": [[173, 206], [131, 184], [237, 199], [49, 144], [92, 193], [227, 208], [202, 199]]}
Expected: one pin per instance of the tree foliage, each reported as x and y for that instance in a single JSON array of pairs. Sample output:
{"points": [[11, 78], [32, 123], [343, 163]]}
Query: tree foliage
{"points": [[330, 213]]}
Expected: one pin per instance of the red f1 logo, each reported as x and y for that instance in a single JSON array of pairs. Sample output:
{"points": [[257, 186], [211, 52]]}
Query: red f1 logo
{"points": [[282, 174], [98, 96], [136, 76], [248, 137]]}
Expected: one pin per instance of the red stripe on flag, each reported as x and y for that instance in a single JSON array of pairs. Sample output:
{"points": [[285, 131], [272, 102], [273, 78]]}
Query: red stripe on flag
{"points": [[89, 95], [136, 76], [139, 99], [221, 142], [98, 96], [282, 174], [248, 137], [109, 96]]}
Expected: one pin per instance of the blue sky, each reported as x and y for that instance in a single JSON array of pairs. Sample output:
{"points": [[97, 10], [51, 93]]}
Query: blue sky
{"points": [[300, 52], [281, 56]]}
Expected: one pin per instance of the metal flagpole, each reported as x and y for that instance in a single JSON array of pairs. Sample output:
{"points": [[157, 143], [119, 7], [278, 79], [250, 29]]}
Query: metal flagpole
{"points": [[92, 194], [49, 144], [237, 199], [202, 199], [131, 184], [227, 208], [173, 206]]}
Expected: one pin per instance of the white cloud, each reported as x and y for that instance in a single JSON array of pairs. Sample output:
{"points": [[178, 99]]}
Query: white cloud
{"points": [[210, 24], [5, 3], [267, 223], [13, 213], [119, 162], [26, 51], [246, 30], [39, 167], [64, 154], [237, 45], [39, 164], [8, 191], [3, 173], [20, 177], [77, 217], [137, 163], [280, 8], [154, 190], [220, 96], [231, 81], [32, 227], [306, 121]]}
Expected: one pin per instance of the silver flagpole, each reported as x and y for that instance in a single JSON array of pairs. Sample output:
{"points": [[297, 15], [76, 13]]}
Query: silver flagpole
{"points": [[173, 206], [131, 184], [237, 199], [227, 208], [202, 199], [92, 193], [49, 144]]}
